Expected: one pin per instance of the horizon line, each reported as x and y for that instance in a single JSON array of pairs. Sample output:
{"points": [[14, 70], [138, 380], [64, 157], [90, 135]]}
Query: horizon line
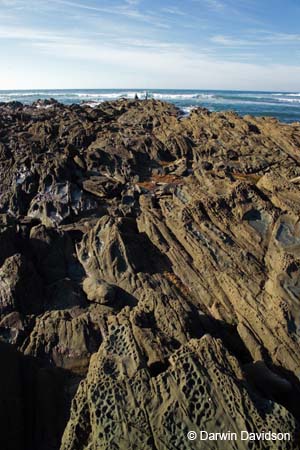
{"points": [[147, 89]]}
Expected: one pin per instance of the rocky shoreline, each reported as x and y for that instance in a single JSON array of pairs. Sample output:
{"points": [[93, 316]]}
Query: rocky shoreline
{"points": [[149, 276]]}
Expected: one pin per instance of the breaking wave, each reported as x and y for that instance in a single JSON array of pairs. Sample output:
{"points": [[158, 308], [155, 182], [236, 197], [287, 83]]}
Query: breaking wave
{"points": [[283, 105]]}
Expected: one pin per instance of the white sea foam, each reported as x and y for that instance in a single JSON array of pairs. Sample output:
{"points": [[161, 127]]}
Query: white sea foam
{"points": [[44, 106], [296, 94], [92, 104], [143, 94], [111, 95], [187, 110], [284, 105], [35, 94], [167, 96], [81, 95], [289, 100]]}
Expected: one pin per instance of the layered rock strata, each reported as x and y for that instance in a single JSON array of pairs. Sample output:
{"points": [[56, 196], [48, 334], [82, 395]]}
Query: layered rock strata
{"points": [[149, 277]]}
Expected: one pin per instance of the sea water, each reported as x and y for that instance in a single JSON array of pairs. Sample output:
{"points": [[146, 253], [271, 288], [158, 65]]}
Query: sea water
{"points": [[283, 105]]}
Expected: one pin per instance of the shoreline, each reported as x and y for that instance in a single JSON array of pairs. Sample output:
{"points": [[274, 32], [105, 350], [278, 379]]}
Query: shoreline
{"points": [[283, 105], [47, 104]]}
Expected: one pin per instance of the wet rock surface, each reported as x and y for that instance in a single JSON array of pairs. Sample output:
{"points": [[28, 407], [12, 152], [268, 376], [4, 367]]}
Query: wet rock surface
{"points": [[149, 276]]}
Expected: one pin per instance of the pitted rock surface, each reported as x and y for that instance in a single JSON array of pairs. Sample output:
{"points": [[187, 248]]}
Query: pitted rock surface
{"points": [[149, 276]]}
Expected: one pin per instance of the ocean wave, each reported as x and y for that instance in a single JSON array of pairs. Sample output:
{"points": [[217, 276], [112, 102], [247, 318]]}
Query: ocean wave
{"points": [[289, 100], [187, 110], [143, 94], [92, 104], [44, 106], [285, 94], [260, 100], [166, 96], [108, 95], [34, 94], [284, 105]]}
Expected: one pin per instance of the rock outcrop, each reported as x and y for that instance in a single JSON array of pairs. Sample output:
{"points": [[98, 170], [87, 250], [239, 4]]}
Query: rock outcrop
{"points": [[149, 277]]}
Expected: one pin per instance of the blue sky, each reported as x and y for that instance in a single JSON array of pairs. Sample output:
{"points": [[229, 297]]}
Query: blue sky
{"points": [[203, 44]]}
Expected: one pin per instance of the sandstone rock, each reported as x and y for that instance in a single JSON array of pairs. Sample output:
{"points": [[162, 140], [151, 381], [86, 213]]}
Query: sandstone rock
{"points": [[200, 386], [99, 291], [64, 339], [155, 257], [20, 287]]}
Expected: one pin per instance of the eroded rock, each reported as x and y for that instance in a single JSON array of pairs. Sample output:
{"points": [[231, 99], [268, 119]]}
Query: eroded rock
{"points": [[156, 258]]}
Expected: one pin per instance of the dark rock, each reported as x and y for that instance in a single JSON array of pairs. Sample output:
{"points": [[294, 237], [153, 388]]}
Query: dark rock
{"points": [[155, 257], [20, 287], [34, 402]]}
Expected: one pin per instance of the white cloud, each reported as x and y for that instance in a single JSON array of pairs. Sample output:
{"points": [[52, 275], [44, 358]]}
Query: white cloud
{"points": [[174, 68], [159, 46], [131, 54], [280, 37], [88, 66], [258, 38], [217, 5], [174, 11], [132, 2], [127, 9], [229, 41]]}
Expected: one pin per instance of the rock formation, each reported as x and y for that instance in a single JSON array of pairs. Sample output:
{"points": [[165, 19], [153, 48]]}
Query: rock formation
{"points": [[149, 277]]}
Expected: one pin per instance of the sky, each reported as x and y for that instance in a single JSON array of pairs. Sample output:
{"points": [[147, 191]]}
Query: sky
{"points": [[187, 44]]}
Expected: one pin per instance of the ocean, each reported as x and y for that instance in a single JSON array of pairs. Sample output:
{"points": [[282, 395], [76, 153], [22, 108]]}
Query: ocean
{"points": [[283, 105]]}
